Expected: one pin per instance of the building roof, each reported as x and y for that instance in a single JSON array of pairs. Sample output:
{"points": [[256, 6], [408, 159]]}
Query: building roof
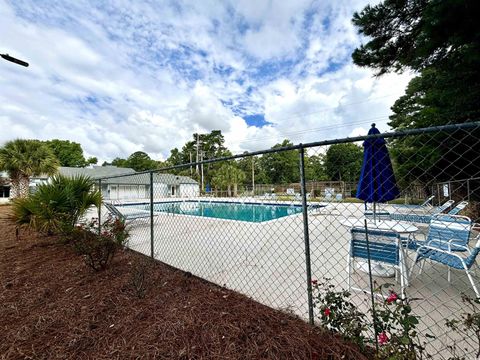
{"points": [[95, 172], [130, 178], [144, 179]]}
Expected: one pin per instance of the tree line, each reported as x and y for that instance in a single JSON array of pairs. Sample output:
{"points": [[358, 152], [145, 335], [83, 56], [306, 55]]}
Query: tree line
{"points": [[341, 162]]}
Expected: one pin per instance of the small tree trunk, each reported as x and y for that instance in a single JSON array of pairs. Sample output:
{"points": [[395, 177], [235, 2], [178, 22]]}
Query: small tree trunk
{"points": [[24, 185], [229, 191], [15, 188], [20, 186], [235, 189]]}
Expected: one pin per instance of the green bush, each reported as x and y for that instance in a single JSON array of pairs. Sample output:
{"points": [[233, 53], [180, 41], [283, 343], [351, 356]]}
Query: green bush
{"points": [[57, 206], [98, 249]]}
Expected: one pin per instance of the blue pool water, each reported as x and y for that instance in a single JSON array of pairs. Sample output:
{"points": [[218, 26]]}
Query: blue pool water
{"points": [[227, 210]]}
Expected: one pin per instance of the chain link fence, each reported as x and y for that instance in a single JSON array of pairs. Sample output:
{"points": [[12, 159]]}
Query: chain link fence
{"points": [[268, 241]]}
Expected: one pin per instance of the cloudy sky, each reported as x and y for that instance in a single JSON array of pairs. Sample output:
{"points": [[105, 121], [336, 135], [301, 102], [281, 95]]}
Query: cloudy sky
{"points": [[145, 75]]}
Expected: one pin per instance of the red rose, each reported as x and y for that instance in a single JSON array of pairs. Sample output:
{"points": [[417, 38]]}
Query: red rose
{"points": [[326, 312], [392, 297]]}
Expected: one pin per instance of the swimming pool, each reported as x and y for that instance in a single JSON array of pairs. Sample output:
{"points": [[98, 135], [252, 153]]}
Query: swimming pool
{"points": [[251, 212]]}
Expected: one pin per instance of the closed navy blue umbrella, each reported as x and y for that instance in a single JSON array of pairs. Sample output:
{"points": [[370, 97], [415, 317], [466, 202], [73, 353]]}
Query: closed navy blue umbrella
{"points": [[377, 181], [377, 185]]}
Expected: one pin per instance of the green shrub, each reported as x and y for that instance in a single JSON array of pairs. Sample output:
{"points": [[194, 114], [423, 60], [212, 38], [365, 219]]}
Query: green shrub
{"points": [[338, 314], [57, 206], [98, 249]]}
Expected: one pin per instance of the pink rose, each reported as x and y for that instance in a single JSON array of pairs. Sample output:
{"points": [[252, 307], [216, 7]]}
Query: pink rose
{"points": [[383, 338]]}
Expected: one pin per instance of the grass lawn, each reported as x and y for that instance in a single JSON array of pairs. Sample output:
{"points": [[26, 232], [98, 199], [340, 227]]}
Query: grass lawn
{"points": [[53, 306]]}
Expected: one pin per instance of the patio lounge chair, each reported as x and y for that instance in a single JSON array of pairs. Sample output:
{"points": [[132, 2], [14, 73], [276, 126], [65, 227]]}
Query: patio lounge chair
{"points": [[422, 218], [385, 247], [459, 207], [127, 216], [298, 197], [427, 203], [450, 259], [424, 208]]}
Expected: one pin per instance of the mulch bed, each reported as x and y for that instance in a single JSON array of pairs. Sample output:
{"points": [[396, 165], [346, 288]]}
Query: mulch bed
{"points": [[52, 306]]}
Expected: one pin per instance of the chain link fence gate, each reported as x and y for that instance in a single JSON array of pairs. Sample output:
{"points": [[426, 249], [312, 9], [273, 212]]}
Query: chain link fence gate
{"points": [[268, 241]]}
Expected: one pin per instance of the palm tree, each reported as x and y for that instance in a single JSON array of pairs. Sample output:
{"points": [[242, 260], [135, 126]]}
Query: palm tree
{"points": [[237, 176], [22, 159], [227, 176], [57, 206]]}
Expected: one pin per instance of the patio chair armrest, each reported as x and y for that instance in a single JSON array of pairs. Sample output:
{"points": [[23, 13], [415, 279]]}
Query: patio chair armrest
{"points": [[449, 245], [476, 227], [440, 250]]}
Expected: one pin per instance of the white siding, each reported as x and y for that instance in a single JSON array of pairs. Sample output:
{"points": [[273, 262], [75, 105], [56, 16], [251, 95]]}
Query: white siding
{"points": [[131, 192], [160, 190], [189, 190]]}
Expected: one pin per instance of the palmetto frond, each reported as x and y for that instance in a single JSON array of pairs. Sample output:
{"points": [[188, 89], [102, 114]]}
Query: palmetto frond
{"points": [[28, 157]]}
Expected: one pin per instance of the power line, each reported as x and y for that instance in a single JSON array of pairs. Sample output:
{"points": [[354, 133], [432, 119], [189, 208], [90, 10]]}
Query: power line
{"points": [[305, 131], [325, 109]]}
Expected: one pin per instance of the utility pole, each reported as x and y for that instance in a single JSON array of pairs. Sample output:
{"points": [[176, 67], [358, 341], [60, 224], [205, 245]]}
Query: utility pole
{"points": [[253, 176], [202, 153], [198, 166], [191, 170]]}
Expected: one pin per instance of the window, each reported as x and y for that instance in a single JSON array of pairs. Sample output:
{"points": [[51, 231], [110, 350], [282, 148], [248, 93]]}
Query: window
{"points": [[4, 191]]}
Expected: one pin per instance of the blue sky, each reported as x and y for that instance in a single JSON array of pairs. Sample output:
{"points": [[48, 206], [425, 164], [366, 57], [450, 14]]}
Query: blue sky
{"points": [[145, 75]]}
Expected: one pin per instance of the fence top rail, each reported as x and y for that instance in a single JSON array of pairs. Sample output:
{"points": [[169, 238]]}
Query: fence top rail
{"points": [[387, 135], [456, 181]]}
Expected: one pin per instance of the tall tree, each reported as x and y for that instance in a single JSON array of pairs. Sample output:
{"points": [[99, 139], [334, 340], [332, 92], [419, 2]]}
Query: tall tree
{"points": [[210, 146], [419, 34], [175, 157], [69, 153], [22, 159], [343, 162], [440, 40], [119, 162], [281, 167], [315, 168], [140, 161]]}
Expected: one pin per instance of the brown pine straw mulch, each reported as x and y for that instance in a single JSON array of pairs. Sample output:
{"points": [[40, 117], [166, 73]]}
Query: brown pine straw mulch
{"points": [[53, 307]]}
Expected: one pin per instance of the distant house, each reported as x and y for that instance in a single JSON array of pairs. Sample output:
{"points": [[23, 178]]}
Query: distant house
{"points": [[4, 187], [138, 187], [126, 184]]}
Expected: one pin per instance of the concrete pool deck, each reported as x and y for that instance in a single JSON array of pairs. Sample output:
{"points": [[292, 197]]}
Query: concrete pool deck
{"points": [[266, 261]]}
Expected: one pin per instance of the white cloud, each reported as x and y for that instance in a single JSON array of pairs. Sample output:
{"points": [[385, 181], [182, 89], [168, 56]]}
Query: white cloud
{"points": [[141, 76]]}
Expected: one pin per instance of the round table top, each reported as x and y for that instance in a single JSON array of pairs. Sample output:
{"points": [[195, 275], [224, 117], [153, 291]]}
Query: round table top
{"points": [[397, 226]]}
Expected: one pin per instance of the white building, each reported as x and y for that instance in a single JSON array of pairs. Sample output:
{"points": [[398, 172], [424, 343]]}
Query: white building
{"points": [[137, 186], [126, 184], [4, 187]]}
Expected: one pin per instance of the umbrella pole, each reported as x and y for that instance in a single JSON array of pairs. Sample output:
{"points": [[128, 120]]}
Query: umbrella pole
{"points": [[371, 285]]}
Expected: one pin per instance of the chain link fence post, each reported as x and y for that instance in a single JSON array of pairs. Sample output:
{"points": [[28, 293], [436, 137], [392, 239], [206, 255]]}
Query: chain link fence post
{"points": [[306, 234], [100, 207], [151, 217]]}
